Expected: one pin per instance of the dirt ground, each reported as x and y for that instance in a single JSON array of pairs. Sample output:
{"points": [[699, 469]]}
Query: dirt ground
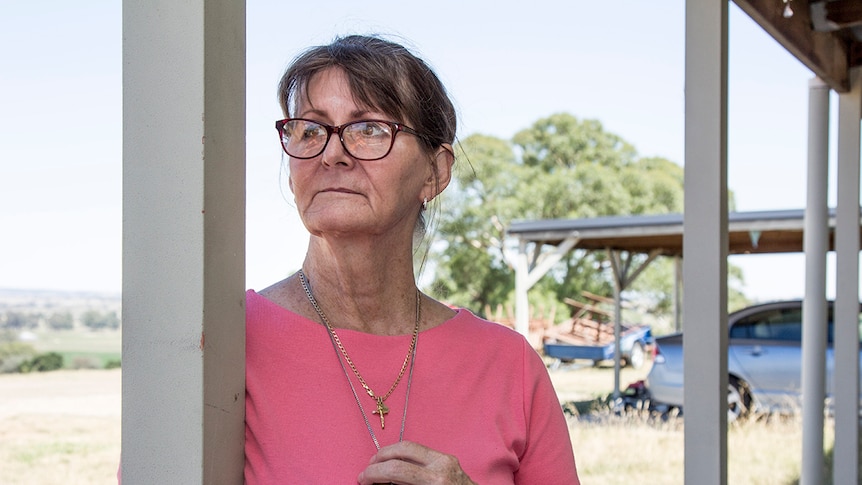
{"points": [[60, 427], [63, 393], [583, 382]]}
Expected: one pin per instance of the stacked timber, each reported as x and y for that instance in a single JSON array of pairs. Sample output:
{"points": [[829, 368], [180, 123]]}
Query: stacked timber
{"points": [[591, 323]]}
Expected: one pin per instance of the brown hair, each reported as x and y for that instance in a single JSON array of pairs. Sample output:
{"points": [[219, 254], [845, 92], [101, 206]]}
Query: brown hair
{"points": [[383, 76]]}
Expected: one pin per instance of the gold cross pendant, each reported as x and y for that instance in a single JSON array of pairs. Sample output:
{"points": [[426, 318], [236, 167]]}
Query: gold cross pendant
{"points": [[381, 410]]}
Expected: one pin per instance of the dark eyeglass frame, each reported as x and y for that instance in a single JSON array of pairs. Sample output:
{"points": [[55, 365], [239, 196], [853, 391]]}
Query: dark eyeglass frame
{"points": [[394, 126]]}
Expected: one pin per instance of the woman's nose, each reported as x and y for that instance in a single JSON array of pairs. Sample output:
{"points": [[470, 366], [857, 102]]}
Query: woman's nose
{"points": [[334, 154]]}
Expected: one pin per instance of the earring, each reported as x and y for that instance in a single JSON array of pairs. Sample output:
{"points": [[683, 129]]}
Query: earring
{"points": [[425, 203]]}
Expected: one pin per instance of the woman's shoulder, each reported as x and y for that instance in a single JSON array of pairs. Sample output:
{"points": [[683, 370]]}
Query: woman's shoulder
{"points": [[478, 340], [256, 301], [468, 322], [282, 294], [264, 306]]}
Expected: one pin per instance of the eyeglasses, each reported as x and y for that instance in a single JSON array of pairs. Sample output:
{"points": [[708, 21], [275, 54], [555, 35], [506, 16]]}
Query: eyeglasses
{"points": [[362, 140]]}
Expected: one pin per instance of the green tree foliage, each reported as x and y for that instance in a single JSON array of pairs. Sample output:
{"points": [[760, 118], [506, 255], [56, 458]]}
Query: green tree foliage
{"points": [[42, 363], [96, 320], [560, 167], [15, 320], [471, 270], [61, 321], [7, 336], [736, 299], [13, 354]]}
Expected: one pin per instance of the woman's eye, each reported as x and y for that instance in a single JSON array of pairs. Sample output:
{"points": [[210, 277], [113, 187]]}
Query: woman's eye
{"points": [[370, 130], [312, 132]]}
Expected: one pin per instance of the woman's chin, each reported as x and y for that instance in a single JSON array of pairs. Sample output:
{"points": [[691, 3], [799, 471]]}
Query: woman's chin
{"points": [[320, 226]]}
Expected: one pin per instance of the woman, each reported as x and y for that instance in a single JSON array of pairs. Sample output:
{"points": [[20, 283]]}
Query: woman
{"points": [[354, 375]]}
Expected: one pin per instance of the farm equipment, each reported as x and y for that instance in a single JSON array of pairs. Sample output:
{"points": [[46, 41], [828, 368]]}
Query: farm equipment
{"points": [[589, 335]]}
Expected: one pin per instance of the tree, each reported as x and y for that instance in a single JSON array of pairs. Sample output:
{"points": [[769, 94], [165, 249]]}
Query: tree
{"points": [[15, 320], [42, 363], [61, 321], [560, 167], [13, 354], [95, 320]]}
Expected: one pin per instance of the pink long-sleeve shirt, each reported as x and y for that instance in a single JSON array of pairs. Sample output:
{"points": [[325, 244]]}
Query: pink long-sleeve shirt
{"points": [[478, 392]]}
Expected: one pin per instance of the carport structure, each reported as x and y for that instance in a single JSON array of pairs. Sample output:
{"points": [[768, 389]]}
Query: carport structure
{"points": [[183, 226], [825, 37], [542, 243]]}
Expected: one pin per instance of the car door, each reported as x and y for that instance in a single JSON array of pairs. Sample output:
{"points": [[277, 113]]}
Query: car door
{"points": [[765, 350]]}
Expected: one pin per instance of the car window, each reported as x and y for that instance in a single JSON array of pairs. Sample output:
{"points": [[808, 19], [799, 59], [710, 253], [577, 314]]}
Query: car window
{"points": [[779, 324]]}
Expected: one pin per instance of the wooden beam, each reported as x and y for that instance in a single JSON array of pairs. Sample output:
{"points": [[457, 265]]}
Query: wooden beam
{"points": [[827, 54], [183, 408], [843, 13]]}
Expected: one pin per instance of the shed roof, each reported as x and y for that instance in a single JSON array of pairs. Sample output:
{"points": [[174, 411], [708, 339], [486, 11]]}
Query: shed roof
{"points": [[778, 231]]}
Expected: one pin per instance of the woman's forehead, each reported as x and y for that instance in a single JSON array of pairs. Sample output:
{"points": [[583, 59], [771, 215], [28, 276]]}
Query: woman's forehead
{"points": [[331, 86]]}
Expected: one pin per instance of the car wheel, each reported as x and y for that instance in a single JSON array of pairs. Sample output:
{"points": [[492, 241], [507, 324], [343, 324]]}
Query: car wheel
{"points": [[636, 356], [738, 400]]}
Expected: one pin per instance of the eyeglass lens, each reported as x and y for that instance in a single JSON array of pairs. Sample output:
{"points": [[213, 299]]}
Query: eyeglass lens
{"points": [[361, 139]]}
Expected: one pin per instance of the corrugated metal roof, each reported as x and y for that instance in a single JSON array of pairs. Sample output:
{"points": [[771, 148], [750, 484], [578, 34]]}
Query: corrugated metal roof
{"points": [[748, 232]]}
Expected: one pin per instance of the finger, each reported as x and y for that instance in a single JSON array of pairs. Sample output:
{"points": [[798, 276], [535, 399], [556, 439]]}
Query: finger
{"points": [[392, 471], [411, 463], [404, 451]]}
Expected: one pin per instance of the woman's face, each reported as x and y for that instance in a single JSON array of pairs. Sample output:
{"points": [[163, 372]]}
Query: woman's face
{"points": [[339, 195]]}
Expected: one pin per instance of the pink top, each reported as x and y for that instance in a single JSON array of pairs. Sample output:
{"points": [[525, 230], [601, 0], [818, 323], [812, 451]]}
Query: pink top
{"points": [[479, 392]]}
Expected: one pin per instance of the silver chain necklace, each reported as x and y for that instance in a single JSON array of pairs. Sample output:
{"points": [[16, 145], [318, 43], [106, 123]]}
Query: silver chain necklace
{"points": [[339, 350]]}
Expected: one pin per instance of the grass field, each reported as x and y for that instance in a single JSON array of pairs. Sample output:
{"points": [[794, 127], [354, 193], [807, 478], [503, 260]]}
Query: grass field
{"points": [[63, 427], [81, 348]]}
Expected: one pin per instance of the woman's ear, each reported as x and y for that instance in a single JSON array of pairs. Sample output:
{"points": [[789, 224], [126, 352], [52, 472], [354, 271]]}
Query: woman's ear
{"points": [[441, 169]]}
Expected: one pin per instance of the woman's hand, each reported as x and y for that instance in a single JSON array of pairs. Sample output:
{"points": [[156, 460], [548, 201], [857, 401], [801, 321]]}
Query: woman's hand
{"points": [[409, 463]]}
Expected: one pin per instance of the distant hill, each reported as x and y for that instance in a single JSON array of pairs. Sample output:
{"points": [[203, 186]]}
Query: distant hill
{"points": [[11, 293], [37, 307]]}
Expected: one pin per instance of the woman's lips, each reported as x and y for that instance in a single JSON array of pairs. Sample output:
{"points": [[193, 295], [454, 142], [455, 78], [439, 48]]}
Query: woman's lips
{"points": [[340, 190]]}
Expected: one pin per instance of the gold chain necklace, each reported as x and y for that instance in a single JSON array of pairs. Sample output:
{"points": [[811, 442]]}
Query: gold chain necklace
{"points": [[382, 409]]}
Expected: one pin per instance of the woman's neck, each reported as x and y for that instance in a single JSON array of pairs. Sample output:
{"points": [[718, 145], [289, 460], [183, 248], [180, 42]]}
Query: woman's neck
{"points": [[370, 287]]}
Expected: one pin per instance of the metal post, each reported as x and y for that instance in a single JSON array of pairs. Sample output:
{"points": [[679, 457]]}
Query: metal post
{"points": [[815, 245], [522, 303], [677, 293], [845, 378], [618, 319]]}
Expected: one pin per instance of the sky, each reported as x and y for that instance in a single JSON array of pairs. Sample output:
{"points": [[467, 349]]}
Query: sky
{"points": [[505, 64]]}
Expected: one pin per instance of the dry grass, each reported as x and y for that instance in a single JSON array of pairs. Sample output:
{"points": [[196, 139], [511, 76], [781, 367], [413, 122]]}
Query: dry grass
{"points": [[624, 450], [52, 449], [64, 427], [640, 446], [60, 427]]}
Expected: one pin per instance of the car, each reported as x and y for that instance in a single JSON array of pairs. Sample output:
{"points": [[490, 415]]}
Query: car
{"points": [[764, 361]]}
